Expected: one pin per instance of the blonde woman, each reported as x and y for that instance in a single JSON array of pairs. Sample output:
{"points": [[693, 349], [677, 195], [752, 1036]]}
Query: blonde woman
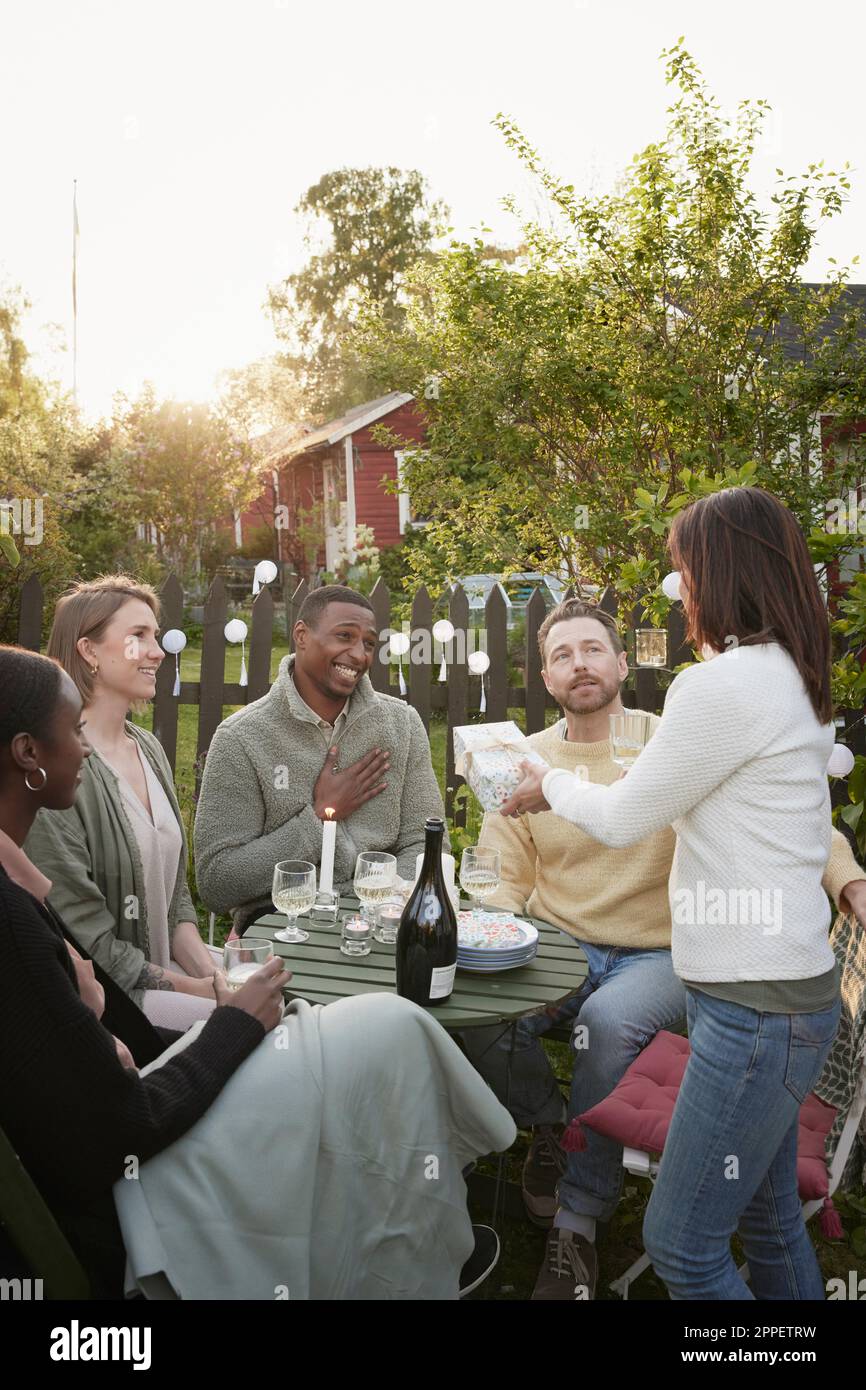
{"points": [[117, 858]]}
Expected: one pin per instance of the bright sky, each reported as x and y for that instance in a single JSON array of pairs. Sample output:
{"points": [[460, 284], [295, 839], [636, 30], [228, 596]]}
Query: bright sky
{"points": [[193, 128]]}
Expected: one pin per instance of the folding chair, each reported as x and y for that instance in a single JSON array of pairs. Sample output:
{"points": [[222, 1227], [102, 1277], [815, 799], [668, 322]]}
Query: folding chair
{"points": [[33, 1231]]}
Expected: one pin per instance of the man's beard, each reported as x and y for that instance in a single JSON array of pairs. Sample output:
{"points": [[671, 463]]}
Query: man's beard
{"points": [[580, 701]]}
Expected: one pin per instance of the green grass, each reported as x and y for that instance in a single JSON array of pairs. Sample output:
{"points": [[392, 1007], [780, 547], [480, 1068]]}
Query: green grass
{"points": [[522, 1243]]}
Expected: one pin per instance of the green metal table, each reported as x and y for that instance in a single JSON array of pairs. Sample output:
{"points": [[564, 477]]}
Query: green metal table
{"points": [[321, 973]]}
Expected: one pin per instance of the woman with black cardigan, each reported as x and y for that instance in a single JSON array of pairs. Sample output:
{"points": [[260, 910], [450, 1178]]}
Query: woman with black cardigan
{"points": [[69, 1105]]}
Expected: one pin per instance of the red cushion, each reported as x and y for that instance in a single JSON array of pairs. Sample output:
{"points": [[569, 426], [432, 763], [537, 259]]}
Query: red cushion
{"points": [[638, 1111]]}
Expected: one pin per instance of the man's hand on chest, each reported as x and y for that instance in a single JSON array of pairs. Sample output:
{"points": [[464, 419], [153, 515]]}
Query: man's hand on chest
{"points": [[345, 789]]}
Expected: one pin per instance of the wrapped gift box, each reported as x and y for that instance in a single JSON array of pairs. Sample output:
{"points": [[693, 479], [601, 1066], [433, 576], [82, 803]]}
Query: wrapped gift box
{"points": [[488, 756]]}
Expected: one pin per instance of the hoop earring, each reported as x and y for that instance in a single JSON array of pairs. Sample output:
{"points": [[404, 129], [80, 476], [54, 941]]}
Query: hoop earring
{"points": [[41, 784]]}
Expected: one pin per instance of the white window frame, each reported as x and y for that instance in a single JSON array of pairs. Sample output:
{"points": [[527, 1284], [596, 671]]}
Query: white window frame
{"points": [[404, 504]]}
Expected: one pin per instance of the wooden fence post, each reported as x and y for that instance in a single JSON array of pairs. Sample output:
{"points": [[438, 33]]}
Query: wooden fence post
{"points": [[380, 671], [261, 645], [30, 615], [293, 608], [213, 667], [419, 671], [165, 711], [496, 620], [458, 701], [535, 689]]}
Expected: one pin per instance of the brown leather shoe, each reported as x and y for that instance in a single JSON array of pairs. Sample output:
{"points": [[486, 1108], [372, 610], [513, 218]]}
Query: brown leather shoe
{"points": [[570, 1270], [542, 1169]]}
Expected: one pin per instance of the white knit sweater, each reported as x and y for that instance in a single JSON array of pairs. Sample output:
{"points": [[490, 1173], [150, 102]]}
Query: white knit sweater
{"points": [[738, 767]]}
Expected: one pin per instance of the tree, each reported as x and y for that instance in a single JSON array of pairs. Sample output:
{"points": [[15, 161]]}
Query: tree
{"points": [[653, 344], [371, 226], [189, 472]]}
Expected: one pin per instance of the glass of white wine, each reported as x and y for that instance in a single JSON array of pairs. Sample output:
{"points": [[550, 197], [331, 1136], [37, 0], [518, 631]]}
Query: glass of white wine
{"points": [[243, 958], [293, 892], [629, 735], [375, 879], [480, 872]]}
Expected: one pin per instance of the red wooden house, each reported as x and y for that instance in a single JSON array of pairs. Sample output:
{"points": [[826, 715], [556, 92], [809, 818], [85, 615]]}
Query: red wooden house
{"points": [[321, 485]]}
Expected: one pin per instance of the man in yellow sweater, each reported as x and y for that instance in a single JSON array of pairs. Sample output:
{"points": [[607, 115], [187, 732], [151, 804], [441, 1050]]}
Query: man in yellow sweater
{"points": [[615, 903]]}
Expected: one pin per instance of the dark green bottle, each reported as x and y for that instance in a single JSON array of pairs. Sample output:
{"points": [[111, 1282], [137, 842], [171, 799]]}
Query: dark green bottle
{"points": [[427, 936]]}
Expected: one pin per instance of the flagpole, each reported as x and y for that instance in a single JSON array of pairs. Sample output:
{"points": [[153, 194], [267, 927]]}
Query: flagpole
{"points": [[75, 290]]}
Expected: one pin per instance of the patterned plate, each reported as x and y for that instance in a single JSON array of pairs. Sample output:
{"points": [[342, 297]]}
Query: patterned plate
{"points": [[499, 933]]}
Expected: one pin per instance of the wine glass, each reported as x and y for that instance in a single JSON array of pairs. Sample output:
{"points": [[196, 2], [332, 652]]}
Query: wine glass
{"points": [[629, 734], [480, 871], [243, 958], [293, 892], [375, 879]]}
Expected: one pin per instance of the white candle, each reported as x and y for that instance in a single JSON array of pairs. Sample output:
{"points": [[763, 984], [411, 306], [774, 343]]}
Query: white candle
{"points": [[329, 844]]}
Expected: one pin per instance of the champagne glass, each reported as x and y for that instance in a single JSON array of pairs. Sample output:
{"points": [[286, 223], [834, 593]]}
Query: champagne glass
{"points": [[293, 892], [375, 879], [480, 871], [243, 958], [629, 734]]}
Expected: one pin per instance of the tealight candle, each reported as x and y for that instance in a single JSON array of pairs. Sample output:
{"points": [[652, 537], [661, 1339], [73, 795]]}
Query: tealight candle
{"points": [[356, 937], [387, 922]]}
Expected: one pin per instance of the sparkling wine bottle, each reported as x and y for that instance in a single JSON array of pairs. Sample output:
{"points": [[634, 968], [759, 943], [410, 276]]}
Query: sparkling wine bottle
{"points": [[427, 937]]}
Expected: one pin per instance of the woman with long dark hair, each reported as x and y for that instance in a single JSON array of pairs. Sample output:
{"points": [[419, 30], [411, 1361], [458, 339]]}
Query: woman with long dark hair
{"points": [[738, 767]]}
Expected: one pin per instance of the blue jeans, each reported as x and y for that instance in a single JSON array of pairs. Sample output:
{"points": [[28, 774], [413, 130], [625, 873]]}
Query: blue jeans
{"points": [[627, 996], [730, 1160]]}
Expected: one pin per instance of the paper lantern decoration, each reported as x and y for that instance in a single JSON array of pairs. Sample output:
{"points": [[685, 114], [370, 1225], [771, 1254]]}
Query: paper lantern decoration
{"points": [[478, 663], [671, 585], [443, 631], [174, 642], [399, 645], [264, 573], [236, 631], [840, 761]]}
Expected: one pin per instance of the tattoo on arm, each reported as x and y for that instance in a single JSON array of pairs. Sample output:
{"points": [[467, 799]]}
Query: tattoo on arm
{"points": [[153, 977]]}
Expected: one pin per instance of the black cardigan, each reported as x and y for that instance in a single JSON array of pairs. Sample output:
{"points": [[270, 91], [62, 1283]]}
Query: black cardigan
{"points": [[70, 1109]]}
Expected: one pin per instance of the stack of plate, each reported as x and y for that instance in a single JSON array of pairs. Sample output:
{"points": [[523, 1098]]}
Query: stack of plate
{"points": [[491, 941]]}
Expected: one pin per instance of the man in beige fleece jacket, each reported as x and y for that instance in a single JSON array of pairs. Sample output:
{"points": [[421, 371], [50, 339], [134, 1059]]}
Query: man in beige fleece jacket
{"points": [[615, 903], [321, 737]]}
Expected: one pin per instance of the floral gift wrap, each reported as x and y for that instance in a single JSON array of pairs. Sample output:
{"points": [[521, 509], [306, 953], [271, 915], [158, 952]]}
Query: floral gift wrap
{"points": [[489, 757]]}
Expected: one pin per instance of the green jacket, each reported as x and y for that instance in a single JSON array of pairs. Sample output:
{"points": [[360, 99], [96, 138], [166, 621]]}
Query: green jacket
{"points": [[91, 855]]}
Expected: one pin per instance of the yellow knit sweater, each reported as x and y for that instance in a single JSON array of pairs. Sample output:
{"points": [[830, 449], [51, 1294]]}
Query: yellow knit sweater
{"points": [[608, 897]]}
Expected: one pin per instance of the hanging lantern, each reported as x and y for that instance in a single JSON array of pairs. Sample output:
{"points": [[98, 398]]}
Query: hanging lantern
{"points": [[840, 761], [671, 586], [479, 663], [264, 573], [174, 642], [443, 631], [236, 631], [399, 645]]}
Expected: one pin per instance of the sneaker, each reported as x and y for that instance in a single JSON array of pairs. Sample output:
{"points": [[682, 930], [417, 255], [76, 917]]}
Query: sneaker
{"points": [[544, 1166], [570, 1270], [482, 1261]]}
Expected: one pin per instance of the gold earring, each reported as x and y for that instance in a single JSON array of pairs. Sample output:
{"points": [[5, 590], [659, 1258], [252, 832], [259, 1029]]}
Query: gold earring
{"points": [[94, 670]]}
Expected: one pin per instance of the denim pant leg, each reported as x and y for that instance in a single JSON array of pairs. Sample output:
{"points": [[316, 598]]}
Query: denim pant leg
{"points": [[730, 1155], [636, 994], [533, 1096]]}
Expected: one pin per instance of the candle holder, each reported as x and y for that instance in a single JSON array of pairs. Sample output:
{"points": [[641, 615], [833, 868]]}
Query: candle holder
{"points": [[651, 646], [324, 909]]}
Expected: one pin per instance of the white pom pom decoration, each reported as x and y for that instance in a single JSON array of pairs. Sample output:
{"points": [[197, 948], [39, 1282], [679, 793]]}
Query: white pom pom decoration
{"points": [[174, 642], [478, 663], [398, 643], [265, 572], [671, 585], [840, 761], [443, 630], [236, 631]]}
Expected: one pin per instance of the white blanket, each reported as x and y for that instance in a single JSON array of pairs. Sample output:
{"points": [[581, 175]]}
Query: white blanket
{"points": [[329, 1167]]}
